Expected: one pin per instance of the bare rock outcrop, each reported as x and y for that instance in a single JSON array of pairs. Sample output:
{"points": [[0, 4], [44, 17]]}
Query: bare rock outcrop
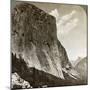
{"points": [[34, 38]]}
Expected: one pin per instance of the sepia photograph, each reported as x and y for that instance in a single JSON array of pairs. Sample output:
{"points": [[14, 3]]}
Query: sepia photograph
{"points": [[48, 44]]}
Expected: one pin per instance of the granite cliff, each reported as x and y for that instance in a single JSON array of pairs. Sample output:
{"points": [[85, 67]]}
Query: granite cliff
{"points": [[34, 42]]}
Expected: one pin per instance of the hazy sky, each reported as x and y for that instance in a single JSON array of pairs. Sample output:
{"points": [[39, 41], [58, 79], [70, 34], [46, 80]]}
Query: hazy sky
{"points": [[71, 23]]}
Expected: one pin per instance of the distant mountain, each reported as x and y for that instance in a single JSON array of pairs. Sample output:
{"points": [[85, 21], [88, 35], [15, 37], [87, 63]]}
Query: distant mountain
{"points": [[80, 60], [81, 66], [75, 62]]}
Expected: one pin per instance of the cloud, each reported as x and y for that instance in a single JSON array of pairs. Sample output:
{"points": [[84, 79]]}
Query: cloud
{"points": [[55, 14], [64, 27], [68, 16], [65, 23]]}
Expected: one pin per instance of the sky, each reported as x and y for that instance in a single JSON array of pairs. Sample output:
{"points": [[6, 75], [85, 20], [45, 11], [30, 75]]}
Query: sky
{"points": [[71, 22]]}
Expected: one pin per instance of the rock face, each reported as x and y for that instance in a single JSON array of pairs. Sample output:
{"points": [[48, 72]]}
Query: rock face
{"points": [[34, 39]]}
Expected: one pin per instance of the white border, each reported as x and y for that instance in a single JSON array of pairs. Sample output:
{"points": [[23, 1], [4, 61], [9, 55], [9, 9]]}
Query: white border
{"points": [[61, 1], [4, 44]]}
